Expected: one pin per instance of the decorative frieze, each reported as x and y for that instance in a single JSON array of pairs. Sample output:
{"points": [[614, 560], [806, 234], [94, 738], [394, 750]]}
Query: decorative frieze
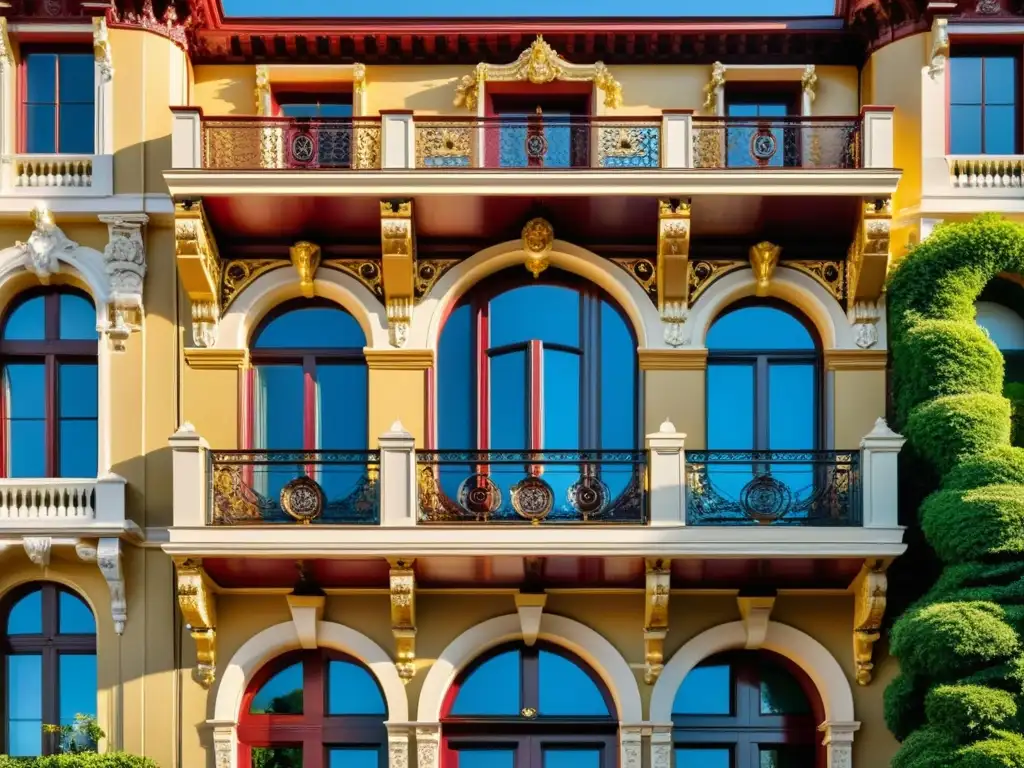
{"points": [[830, 275], [403, 616], [656, 594], [538, 239], [199, 610], [428, 272], [643, 271], [869, 610], [366, 271], [200, 269]]}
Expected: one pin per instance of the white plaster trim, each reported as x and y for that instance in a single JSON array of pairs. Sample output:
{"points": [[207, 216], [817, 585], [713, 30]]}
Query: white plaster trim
{"points": [[802, 649], [429, 314], [593, 648], [986, 29], [280, 638], [279, 285]]}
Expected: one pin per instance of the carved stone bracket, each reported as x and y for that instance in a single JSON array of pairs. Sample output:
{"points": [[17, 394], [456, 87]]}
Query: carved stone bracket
{"points": [[200, 269], [403, 616], [868, 260], [755, 611], [538, 64], [656, 616], [199, 609], [38, 549], [940, 48], [869, 608], [398, 265], [538, 239], [673, 268], [101, 48], [764, 258], [864, 316], [125, 261], [305, 257], [107, 555]]}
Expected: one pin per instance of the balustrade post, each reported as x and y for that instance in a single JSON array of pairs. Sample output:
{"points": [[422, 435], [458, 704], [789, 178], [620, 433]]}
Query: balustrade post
{"points": [[879, 473], [397, 138], [188, 466], [187, 137], [677, 138], [398, 499], [877, 137], [110, 493], [666, 468]]}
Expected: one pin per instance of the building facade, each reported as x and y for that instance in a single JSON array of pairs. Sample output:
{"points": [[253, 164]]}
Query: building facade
{"points": [[469, 393]]}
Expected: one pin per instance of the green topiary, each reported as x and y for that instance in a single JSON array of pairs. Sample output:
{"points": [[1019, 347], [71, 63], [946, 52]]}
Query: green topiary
{"points": [[79, 760], [956, 701], [1014, 392]]}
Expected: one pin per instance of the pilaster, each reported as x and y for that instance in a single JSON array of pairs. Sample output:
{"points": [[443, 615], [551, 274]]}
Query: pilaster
{"points": [[838, 742], [666, 476]]}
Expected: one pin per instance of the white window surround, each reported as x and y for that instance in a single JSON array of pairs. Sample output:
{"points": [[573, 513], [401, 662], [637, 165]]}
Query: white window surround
{"points": [[800, 648]]}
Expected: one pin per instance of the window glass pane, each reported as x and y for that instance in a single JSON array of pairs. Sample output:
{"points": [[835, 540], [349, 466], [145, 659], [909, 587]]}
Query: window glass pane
{"points": [[298, 110], [281, 694], [456, 388], [706, 690], [78, 390], [24, 705], [491, 689], [77, 686], [730, 404], [351, 690], [786, 757], [965, 80], [277, 757], [791, 407], [28, 322], [41, 75], [352, 758], [40, 129], [549, 313], [75, 616], [78, 397], [781, 694], [742, 110], [561, 400], [510, 421], [565, 689], [562, 757], [758, 328], [76, 129], [1000, 80], [342, 403], [1000, 133], [618, 381], [25, 390], [77, 318], [335, 110], [964, 129], [484, 757], [312, 327], [704, 757], [26, 616], [279, 420], [77, 78]]}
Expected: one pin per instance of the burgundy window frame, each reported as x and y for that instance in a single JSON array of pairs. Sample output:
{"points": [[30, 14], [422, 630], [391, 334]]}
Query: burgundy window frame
{"points": [[314, 730], [746, 728], [50, 644], [52, 351], [23, 104], [528, 735], [987, 52]]}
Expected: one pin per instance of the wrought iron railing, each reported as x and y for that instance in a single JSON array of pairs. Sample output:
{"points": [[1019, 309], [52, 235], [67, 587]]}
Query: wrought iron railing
{"points": [[538, 142], [261, 487], [773, 488], [776, 142], [291, 143], [532, 486]]}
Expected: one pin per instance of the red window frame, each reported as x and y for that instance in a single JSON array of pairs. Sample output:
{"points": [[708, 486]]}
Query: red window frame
{"points": [[26, 51], [314, 730]]}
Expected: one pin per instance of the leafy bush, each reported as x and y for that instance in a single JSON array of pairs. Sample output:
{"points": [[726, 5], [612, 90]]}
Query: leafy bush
{"points": [[958, 700], [79, 760]]}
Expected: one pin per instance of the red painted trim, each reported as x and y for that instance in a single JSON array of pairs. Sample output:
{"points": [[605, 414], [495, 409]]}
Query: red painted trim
{"points": [[483, 386], [396, 112], [4, 426], [536, 407], [49, 37]]}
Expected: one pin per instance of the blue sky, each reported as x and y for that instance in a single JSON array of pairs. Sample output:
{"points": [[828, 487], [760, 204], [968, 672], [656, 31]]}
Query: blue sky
{"points": [[511, 8]]}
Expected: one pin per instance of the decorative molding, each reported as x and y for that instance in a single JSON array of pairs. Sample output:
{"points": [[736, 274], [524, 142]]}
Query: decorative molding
{"points": [[238, 274], [856, 359], [661, 747], [714, 85], [864, 317], [868, 611], [530, 607], [398, 747], [838, 742], [673, 275], [672, 359], [631, 739], [988, 8], [199, 609], [428, 739], [656, 594], [830, 274], [940, 48], [44, 246], [38, 549], [101, 48], [403, 616], [755, 612], [809, 82], [224, 747], [399, 359], [643, 270], [673, 322], [764, 258], [538, 64], [262, 91], [428, 272], [869, 252], [704, 273], [205, 358], [305, 257], [168, 26], [366, 271], [398, 265], [124, 258], [200, 269], [538, 238]]}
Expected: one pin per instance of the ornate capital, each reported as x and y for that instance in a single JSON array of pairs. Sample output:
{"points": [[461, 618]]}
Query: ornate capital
{"points": [[107, 555], [124, 258], [868, 256], [538, 239], [764, 257], [656, 596], [199, 609], [403, 617], [398, 265], [305, 257], [101, 48], [940, 48], [200, 269], [716, 82], [869, 609]]}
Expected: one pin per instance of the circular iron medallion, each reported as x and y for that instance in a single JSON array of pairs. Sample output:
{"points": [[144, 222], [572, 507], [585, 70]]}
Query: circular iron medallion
{"points": [[532, 499], [303, 499], [536, 146], [588, 495], [765, 499], [763, 145], [302, 147], [478, 494]]}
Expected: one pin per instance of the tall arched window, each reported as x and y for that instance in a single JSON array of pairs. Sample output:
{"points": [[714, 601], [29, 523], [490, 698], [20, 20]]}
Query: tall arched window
{"points": [[49, 671], [529, 707], [746, 710], [48, 348], [313, 709]]}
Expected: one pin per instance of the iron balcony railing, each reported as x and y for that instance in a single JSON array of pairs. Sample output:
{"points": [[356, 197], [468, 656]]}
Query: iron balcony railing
{"points": [[532, 486], [266, 487], [773, 488], [777, 142], [292, 143]]}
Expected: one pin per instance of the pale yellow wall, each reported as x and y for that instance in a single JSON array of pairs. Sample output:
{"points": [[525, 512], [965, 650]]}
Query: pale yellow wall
{"points": [[678, 396], [858, 399], [228, 89], [396, 396]]}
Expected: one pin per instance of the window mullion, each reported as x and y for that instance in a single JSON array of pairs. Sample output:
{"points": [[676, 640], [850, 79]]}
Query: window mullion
{"points": [[51, 418], [56, 104], [762, 437], [535, 394], [529, 694]]}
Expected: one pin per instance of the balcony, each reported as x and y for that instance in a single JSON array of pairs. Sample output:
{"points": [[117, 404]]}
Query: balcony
{"points": [[34, 176], [64, 506]]}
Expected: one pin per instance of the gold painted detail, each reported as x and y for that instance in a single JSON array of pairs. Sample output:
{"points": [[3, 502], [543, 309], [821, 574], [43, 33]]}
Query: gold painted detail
{"points": [[237, 274], [398, 261], [262, 92], [305, 257], [672, 359], [199, 610], [656, 616], [428, 272], [538, 64], [101, 48], [809, 81], [445, 145], [403, 616], [367, 141], [673, 269], [704, 273], [632, 145], [940, 48], [366, 271], [711, 89], [869, 251], [830, 274], [869, 609], [538, 239], [764, 257], [199, 267], [233, 500], [358, 78], [643, 271]]}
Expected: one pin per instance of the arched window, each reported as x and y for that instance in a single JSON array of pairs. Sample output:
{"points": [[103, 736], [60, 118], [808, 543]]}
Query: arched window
{"points": [[48, 348], [313, 709], [529, 707], [49, 671], [746, 710]]}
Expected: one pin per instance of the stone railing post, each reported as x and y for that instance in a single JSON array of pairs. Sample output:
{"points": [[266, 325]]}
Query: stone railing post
{"points": [[879, 452], [397, 477], [110, 493], [666, 468], [187, 137], [877, 137], [677, 138], [188, 467], [397, 139]]}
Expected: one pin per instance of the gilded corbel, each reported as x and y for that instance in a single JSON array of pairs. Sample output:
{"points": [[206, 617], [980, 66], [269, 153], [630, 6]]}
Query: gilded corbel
{"points": [[199, 610], [869, 608], [940, 48], [199, 268], [359, 79], [868, 256], [764, 258], [673, 268], [403, 616], [656, 616], [101, 48], [305, 258], [262, 93], [398, 266], [716, 82], [538, 239]]}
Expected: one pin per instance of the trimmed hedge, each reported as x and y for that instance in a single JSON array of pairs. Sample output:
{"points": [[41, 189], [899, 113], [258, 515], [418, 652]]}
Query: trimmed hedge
{"points": [[79, 760], [959, 699]]}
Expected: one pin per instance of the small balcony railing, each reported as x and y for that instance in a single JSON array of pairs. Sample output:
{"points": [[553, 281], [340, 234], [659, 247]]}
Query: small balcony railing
{"points": [[532, 486], [807, 488], [267, 487], [986, 171], [291, 143], [776, 142]]}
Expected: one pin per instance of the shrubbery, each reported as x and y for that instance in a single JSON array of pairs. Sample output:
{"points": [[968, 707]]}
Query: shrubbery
{"points": [[959, 699], [76, 743]]}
